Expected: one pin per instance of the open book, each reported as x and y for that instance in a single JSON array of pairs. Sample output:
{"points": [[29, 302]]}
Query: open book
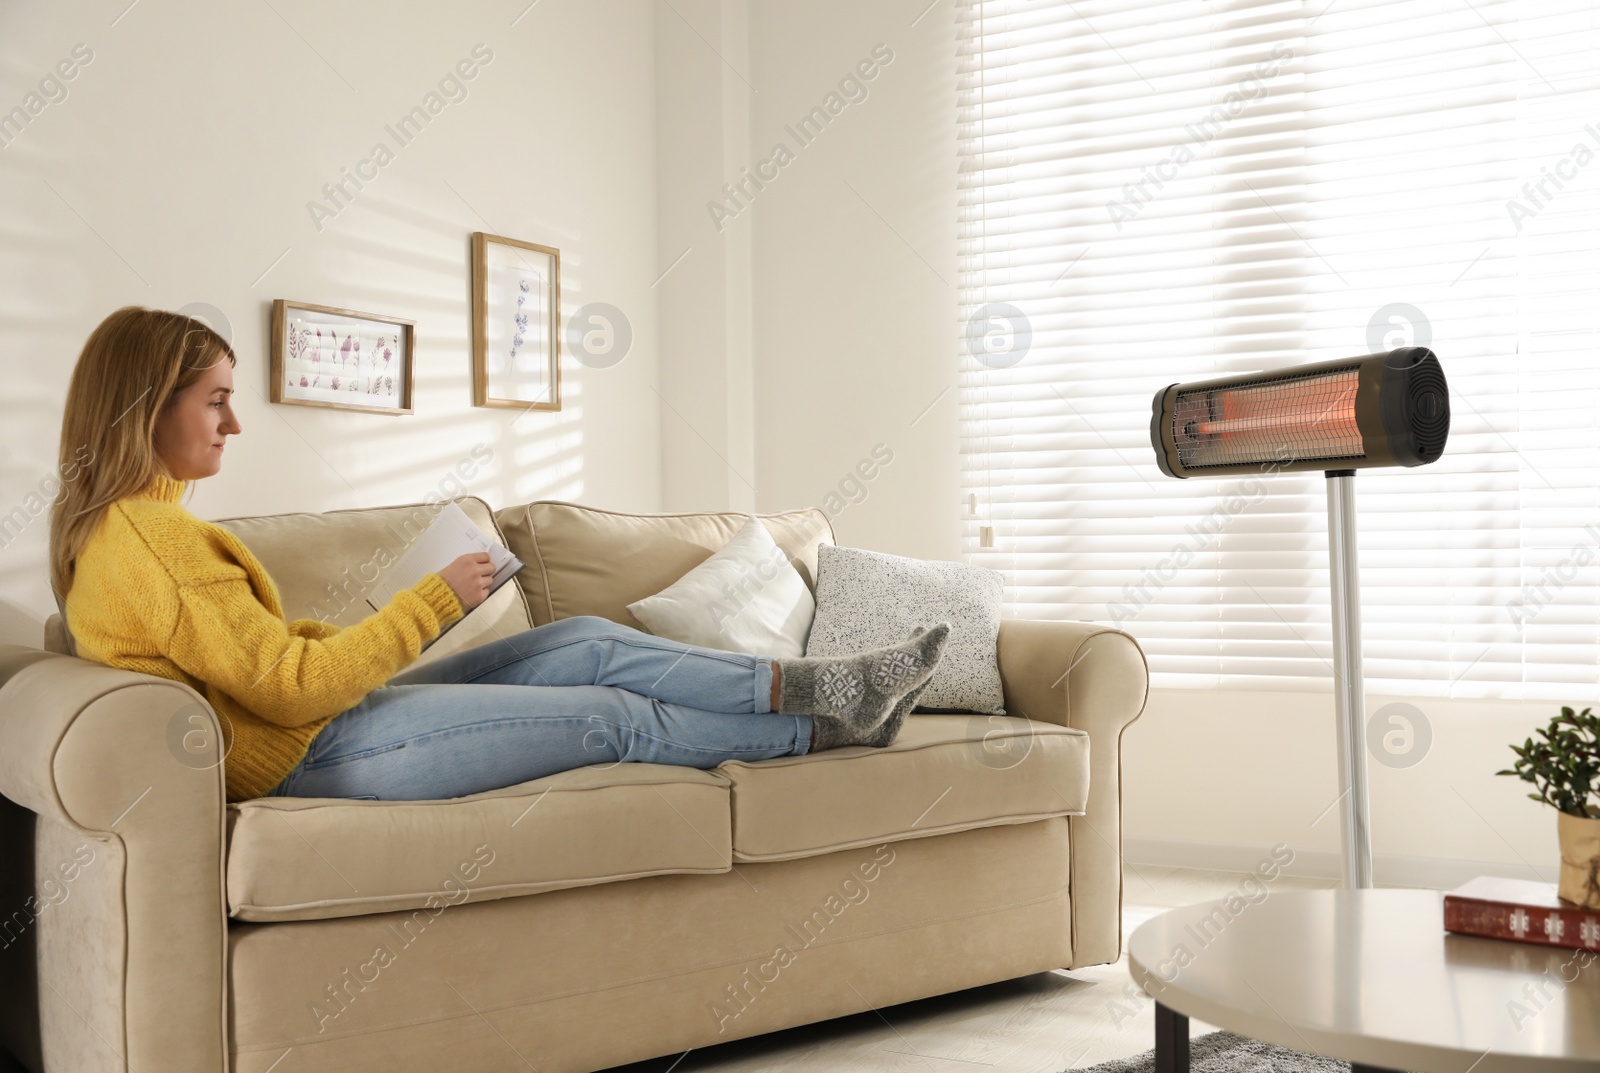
{"points": [[448, 537]]}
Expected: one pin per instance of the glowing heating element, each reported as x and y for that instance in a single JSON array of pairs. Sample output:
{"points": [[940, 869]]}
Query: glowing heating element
{"points": [[1289, 419]]}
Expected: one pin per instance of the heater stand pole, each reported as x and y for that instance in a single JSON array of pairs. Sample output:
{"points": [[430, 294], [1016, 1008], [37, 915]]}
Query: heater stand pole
{"points": [[1349, 696]]}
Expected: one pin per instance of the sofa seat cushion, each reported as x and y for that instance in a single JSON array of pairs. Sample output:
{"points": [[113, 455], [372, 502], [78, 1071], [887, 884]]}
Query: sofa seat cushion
{"points": [[942, 773], [313, 858]]}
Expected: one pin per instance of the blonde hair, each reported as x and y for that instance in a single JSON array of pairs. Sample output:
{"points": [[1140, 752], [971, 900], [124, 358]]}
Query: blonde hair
{"points": [[131, 369]]}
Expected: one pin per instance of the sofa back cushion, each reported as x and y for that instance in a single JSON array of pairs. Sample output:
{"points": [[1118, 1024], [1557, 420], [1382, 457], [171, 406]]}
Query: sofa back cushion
{"points": [[326, 564], [586, 561]]}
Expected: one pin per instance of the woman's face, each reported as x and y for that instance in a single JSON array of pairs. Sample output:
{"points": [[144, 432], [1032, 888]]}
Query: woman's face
{"points": [[191, 430]]}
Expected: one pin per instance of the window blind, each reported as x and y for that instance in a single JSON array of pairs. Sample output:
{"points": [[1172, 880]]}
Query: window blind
{"points": [[1166, 191]]}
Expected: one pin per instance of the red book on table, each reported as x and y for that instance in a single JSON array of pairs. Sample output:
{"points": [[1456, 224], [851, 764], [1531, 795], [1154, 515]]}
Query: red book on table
{"points": [[1522, 911]]}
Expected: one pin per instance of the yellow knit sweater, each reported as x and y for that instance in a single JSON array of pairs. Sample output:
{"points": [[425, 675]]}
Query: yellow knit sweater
{"points": [[160, 591]]}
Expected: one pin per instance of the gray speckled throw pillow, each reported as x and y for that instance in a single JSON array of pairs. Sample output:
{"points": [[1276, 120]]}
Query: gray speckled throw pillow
{"points": [[868, 599]]}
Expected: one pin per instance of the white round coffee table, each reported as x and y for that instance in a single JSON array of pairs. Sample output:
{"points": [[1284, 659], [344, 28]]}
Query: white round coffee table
{"points": [[1371, 977]]}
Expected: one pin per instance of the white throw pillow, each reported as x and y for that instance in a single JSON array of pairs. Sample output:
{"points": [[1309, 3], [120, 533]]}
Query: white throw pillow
{"points": [[747, 597], [868, 599]]}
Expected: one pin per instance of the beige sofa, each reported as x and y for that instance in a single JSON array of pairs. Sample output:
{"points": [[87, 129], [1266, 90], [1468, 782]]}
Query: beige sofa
{"points": [[595, 917]]}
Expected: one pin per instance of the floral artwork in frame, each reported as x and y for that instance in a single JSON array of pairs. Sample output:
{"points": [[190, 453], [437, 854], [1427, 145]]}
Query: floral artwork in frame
{"points": [[516, 300], [341, 358]]}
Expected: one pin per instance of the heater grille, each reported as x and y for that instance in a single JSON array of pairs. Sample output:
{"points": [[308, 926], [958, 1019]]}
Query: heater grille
{"points": [[1289, 419]]}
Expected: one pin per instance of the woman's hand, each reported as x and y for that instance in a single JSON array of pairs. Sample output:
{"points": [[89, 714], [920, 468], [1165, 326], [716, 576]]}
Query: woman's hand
{"points": [[469, 575]]}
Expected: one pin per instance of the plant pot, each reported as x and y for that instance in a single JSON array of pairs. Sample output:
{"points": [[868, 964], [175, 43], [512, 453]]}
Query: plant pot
{"points": [[1580, 859]]}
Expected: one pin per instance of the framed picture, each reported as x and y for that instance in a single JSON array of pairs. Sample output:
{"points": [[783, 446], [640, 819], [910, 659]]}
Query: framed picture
{"points": [[340, 358], [516, 304]]}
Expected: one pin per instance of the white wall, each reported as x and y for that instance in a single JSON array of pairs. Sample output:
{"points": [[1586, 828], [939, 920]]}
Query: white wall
{"points": [[178, 169], [809, 333], [855, 272], [1213, 779], [703, 290]]}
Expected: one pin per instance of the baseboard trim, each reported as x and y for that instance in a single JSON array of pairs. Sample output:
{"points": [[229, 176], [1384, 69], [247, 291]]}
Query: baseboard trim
{"points": [[1388, 870]]}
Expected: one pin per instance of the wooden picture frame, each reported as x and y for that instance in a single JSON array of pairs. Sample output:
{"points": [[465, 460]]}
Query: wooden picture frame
{"points": [[321, 354], [516, 312]]}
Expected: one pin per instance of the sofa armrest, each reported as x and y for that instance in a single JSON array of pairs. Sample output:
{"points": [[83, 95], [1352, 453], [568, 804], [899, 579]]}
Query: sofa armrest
{"points": [[131, 961], [1094, 679]]}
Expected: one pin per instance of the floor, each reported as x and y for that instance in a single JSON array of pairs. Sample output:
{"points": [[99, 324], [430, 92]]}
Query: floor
{"points": [[1044, 1023]]}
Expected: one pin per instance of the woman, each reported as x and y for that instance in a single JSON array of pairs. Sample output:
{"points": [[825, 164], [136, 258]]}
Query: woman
{"points": [[313, 710]]}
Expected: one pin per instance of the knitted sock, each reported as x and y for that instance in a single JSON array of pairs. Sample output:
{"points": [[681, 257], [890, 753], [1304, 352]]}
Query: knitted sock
{"points": [[889, 729], [850, 695], [831, 733]]}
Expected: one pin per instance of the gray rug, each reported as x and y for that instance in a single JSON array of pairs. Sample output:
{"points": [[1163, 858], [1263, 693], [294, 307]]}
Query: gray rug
{"points": [[1224, 1052]]}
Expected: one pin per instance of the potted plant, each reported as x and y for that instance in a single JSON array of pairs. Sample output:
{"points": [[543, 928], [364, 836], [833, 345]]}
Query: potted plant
{"points": [[1565, 767]]}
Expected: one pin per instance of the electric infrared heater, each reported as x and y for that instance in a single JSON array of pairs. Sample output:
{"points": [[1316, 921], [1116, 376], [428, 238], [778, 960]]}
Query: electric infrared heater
{"points": [[1388, 409]]}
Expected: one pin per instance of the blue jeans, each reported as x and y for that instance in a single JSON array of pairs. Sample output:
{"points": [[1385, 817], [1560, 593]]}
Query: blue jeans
{"points": [[575, 692]]}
